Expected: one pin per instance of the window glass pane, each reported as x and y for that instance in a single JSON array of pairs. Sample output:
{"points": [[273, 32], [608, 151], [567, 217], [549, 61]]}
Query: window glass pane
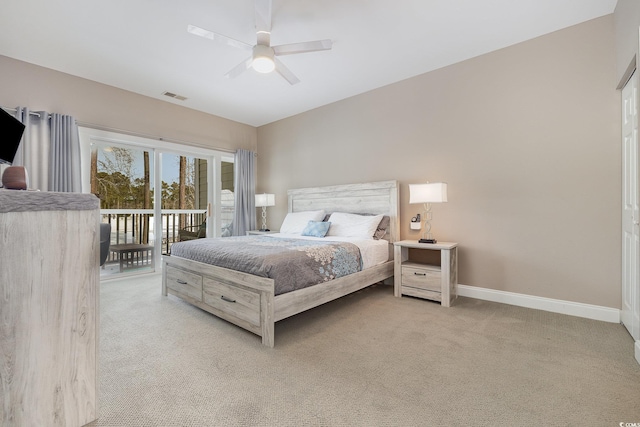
{"points": [[121, 177], [184, 182], [184, 198]]}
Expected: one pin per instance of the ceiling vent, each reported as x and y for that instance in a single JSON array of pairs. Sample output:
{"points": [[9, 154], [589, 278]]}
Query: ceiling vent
{"points": [[174, 96]]}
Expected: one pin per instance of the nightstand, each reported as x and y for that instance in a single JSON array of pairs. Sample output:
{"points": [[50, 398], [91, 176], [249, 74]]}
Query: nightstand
{"points": [[433, 282], [250, 232]]}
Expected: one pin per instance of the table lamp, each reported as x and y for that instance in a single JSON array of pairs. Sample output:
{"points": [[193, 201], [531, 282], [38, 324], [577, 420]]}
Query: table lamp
{"points": [[435, 192], [262, 201]]}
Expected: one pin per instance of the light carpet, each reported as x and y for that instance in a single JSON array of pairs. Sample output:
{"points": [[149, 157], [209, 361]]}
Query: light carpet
{"points": [[367, 359]]}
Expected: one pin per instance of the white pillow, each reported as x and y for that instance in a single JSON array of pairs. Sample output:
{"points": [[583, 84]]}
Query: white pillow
{"points": [[295, 222], [353, 225]]}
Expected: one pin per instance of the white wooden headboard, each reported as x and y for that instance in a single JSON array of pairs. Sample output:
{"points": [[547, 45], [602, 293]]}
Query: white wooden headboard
{"points": [[366, 198]]}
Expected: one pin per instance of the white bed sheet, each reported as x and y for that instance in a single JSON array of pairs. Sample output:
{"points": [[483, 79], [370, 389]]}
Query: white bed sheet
{"points": [[373, 252]]}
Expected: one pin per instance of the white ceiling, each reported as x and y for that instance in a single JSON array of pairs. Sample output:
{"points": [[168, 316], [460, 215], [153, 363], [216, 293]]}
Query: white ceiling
{"points": [[143, 45]]}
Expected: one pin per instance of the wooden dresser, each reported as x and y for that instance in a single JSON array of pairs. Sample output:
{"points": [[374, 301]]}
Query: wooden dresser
{"points": [[49, 277]]}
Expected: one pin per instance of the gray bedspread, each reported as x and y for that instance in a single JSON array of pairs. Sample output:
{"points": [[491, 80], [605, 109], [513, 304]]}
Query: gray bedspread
{"points": [[292, 263]]}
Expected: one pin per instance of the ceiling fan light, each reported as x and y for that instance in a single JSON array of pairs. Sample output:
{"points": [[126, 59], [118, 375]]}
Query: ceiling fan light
{"points": [[263, 59], [263, 64]]}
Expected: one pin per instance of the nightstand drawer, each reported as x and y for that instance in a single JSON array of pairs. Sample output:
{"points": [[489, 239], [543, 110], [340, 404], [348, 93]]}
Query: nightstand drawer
{"points": [[422, 278]]}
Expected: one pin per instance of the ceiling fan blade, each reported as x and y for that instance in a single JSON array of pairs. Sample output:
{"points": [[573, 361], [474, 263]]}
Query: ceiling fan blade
{"points": [[218, 37], [240, 68], [263, 15], [290, 49], [285, 72]]}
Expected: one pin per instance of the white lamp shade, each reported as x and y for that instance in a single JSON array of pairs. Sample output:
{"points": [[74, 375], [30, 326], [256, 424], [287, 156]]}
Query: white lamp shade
{"points": [[265, 200], [435, 192]]}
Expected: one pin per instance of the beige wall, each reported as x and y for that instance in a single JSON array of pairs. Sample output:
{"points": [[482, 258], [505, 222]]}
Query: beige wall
{"points": [[27, 85], [528, 139]]}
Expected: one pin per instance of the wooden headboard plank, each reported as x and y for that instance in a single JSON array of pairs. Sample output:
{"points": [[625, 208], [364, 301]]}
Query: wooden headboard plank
{"points": [[371, 198], [373, 205]]}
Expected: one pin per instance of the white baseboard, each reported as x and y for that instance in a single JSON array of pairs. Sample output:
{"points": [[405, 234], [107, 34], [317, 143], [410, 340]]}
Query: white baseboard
{"points": [[638, 351], [588, 311]]}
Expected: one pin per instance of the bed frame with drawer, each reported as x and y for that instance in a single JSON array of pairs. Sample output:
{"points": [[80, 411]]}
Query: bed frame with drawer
{"points": [[248, 301]]}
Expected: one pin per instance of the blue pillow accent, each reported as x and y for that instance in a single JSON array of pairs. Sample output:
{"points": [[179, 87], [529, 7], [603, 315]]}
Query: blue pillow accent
{"points": [[316, 228]]}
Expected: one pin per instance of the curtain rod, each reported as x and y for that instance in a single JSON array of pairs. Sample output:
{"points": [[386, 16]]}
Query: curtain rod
{"points": [[15, 110], [141, 135]]}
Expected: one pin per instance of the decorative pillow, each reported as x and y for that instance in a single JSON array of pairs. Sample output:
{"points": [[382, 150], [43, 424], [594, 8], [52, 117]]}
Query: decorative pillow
{"points": [[295, 222], [353, 225], [316, 229], [381, 231]]}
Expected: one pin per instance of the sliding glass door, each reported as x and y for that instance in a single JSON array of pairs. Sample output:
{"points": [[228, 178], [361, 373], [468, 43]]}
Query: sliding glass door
{"points": [[195, 188]]}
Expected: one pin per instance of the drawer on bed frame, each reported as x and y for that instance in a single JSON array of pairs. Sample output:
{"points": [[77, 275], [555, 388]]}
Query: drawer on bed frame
{"points": [[234, 301], [185, 282]]}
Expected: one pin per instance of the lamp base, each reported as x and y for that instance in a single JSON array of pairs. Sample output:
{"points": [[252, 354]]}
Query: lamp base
{"points": [[264, 229], [427, 241]]}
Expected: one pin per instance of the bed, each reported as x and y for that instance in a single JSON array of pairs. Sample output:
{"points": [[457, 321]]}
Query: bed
{"points": [[250, 300]]}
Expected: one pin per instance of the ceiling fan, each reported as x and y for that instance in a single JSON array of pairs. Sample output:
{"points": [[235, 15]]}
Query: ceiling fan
{"points": [[263, 58]]}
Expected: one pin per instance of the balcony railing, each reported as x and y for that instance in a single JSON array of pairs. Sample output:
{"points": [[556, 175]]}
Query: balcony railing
{"points": [[139, 227]]}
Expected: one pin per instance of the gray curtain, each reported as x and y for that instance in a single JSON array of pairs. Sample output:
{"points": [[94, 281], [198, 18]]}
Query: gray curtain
{"points": [[33, 152], [64, 155], [244, 182], [49, 151]]}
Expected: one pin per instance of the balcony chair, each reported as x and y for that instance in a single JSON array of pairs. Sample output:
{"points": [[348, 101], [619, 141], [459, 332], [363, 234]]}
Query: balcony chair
{"points": [[187, 233], [105, 240]]}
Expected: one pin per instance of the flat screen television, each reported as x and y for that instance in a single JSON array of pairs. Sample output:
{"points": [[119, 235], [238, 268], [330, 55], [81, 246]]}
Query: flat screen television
{"points": [[10, 135]]}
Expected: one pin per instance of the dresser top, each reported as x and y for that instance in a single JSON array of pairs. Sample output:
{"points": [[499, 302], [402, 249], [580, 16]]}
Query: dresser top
{"points": [[33, 201]]}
